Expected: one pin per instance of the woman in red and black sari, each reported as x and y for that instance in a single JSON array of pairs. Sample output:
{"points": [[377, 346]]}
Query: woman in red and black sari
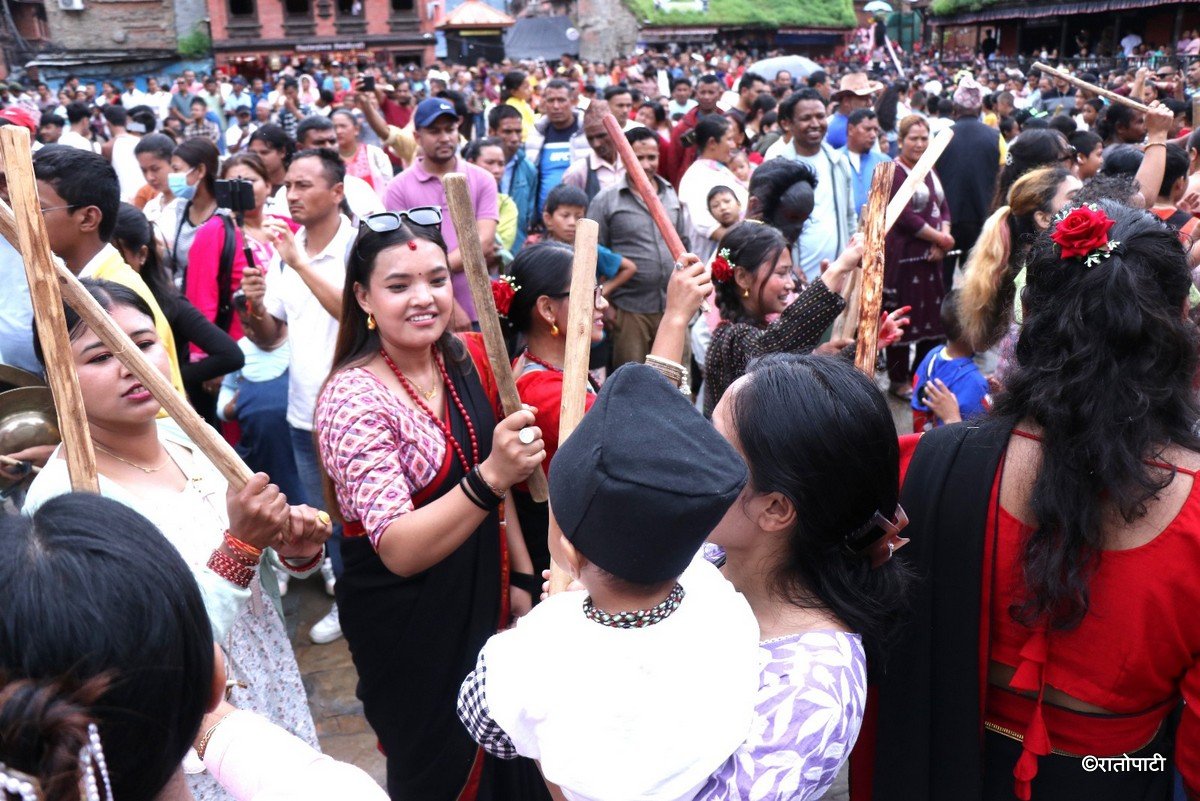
{"points": [[421, 463]]}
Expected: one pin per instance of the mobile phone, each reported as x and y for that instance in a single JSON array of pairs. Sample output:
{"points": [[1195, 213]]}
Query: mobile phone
{"points": [[368, 83], [239, 300], [236, 194]]}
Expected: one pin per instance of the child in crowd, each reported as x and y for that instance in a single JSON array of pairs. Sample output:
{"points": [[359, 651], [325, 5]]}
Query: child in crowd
{"points": [[723, 205], [740, 166], [628, 669], [948, 386], [567, 205]]}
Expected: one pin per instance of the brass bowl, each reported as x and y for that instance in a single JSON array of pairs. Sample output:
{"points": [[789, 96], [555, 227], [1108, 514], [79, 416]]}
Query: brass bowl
{"points": [[13, 377], [27, 419]]}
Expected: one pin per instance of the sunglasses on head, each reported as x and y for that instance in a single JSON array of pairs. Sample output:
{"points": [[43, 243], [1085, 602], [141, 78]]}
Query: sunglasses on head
{"points": [[387, 221]]}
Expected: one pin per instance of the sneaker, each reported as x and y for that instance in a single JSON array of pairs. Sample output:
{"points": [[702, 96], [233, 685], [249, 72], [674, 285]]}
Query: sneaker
{"points": [[283, 579], [327, 629], [327, 574]]}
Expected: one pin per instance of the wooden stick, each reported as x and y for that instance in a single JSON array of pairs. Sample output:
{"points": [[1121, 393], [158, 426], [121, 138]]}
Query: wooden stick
{"points": [[875, 214], [462, 213], [33, 468], [578, 331], [1091, 87], [847, 322], [916, 177], [33, 243]]}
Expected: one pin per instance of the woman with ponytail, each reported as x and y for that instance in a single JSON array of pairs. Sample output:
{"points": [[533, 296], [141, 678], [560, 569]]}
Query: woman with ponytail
{"points": [[989, 280], [1077, 508]]}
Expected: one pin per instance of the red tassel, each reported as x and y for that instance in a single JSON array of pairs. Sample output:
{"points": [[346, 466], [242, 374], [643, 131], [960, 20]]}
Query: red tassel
{"points": [[1037, 739], [1036, 647], [1024, 772], [1028, 677]]}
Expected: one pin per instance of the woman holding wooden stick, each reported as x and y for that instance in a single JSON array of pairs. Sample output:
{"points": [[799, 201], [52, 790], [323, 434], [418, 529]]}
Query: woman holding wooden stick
{"points": [[421, 461], [222, 534]]}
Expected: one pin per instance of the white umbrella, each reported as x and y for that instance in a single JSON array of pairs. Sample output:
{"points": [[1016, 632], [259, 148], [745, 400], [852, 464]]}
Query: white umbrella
{"points": [[878, 6], [797, 66]]}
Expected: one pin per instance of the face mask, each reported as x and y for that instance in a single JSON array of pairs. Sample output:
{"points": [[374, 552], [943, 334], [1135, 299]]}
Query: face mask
{"points": [[177, 183]]}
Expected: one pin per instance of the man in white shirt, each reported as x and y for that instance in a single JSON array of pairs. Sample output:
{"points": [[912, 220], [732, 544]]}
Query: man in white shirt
{"points": [[1129, 43], [303, 304], [78, 133], [132, 96], [157, 98], [237, 136]]}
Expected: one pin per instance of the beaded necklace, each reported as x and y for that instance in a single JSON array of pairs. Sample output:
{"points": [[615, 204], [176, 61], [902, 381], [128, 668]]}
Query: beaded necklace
{"points": [[449, 435], [554, 368], [638, 619]]}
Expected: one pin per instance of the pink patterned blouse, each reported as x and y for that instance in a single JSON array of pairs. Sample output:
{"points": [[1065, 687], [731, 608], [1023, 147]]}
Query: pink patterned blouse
{"points": [[379, 452]]}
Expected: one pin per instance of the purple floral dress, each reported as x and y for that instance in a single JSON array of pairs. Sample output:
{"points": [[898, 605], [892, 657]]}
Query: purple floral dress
{"points": [[808, 713]]}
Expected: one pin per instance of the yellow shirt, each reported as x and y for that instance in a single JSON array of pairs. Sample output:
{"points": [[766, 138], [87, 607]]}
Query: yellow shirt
{"points": [[527, 116], [107, 265]]}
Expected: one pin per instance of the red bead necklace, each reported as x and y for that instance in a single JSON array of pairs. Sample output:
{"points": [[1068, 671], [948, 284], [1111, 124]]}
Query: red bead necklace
{"points": [[536, 360], [412, 393]]}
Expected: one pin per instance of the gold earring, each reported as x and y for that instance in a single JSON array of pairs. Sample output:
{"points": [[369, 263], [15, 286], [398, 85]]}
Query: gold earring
{"points": [[370, 322], [746, 293], [553, 329]]}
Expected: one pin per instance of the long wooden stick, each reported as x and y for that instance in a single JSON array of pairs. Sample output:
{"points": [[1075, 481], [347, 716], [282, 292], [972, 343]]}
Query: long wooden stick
{"points": [[916, 177], [34, 244], [641, 183], [1091, 87], [580, 313], [871, 294], [462, 214], [212, 445]]}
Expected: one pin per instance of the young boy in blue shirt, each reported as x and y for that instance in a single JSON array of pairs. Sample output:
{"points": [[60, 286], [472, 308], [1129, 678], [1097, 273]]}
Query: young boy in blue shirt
{"points": [[947, 385]]}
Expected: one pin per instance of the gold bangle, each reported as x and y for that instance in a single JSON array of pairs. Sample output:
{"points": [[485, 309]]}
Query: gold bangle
{"points": [[1149, 145]]}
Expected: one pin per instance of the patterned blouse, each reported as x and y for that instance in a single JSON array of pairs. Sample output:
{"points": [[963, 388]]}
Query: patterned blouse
{"points": [[808, 713], [378, 451], [798, 330]]}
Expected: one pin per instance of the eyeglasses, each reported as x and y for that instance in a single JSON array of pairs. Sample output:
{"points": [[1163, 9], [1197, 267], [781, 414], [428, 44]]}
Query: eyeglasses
{"points": [[599, 295], [387, 221]]}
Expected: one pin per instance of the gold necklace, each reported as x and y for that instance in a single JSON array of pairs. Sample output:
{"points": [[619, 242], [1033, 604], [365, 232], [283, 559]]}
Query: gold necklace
{"points": [[427, 393], [146, 470]]}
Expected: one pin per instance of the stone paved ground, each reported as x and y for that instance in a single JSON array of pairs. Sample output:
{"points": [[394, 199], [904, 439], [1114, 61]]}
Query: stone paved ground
{"points": [[329, 675], [329, 679]]}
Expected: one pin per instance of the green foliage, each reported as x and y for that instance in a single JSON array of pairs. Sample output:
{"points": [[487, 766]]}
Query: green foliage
{"points": [[196, 44], [942, 7], [753, 13]]}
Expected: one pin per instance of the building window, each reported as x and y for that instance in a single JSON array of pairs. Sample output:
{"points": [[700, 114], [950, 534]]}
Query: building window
{"points": [[241, 8], [296, 8], [402, 6]]}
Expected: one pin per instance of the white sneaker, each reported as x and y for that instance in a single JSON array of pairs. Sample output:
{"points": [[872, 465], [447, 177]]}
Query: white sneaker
{"points": [[327, 629], [283, 579], [327, 574]]}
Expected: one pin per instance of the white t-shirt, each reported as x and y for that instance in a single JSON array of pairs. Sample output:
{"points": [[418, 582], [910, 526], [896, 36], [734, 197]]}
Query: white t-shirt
{"points": [[819, 237], [233, 134], [311, 330], [1129, 41], [658, 709], [129, 172], [75, 140]]}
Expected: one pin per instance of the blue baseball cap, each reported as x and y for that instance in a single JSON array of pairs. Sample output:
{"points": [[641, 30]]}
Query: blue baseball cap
{"points": [[430, 109]]}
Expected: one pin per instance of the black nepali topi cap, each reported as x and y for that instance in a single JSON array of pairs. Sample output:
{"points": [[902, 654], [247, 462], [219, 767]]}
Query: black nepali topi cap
{"points": [[643, 479]]}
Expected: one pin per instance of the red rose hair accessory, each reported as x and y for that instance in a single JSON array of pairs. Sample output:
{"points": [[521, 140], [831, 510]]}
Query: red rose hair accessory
{"points": [[722, 270], [1083, 234], [503, 291], [880, 549]]}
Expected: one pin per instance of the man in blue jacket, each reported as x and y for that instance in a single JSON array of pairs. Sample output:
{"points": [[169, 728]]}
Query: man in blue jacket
{"points": [[520, 177]]}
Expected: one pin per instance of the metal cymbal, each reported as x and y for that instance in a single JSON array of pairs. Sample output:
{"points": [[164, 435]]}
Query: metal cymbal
{"points": [[13, 377], [27, 419]]}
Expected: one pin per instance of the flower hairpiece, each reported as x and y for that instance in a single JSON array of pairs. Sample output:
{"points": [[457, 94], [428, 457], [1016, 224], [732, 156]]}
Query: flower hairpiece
{"points": [[504, 289], [722, 268], [1082, 233]]}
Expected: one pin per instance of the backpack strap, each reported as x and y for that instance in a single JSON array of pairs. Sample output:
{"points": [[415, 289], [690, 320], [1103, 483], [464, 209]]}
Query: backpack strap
{"points": [[224, 316]]}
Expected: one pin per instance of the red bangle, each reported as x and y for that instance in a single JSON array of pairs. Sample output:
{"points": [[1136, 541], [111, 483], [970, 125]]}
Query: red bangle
{"points": [[230, 569], [307, 566], [242, 548]]}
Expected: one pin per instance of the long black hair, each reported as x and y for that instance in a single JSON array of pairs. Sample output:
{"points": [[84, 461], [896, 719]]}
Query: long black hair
{"points": [[783, 192], [753, 247], [133, 231], [71, 658], [817, 431], [543, 269], [886, 106], [1104, 365]]}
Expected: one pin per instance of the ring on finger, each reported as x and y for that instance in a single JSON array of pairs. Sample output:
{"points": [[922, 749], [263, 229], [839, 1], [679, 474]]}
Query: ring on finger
{"points": [[526, 436], [323, 517]]}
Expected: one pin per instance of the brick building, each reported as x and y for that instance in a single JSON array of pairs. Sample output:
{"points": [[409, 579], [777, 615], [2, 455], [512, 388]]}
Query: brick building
{"points": [[247, 34]]}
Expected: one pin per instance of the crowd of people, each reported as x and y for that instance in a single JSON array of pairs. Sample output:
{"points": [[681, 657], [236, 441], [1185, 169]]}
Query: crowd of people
{"points": [[281, 248]]}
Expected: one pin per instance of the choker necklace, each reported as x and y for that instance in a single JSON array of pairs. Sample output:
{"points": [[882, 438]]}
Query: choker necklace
{"points": [[639, 619], [146, 470]]}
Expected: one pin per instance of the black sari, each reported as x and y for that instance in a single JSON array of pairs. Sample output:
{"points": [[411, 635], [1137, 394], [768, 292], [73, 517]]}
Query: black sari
{"points": [[414, 639]]}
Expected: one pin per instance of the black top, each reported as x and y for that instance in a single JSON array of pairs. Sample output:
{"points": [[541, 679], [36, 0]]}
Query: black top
{"points": [[968, 170], [192, 327]]}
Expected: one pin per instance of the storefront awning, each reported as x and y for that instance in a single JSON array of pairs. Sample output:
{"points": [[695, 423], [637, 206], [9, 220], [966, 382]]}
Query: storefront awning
{"points": [[1033, 11]]}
